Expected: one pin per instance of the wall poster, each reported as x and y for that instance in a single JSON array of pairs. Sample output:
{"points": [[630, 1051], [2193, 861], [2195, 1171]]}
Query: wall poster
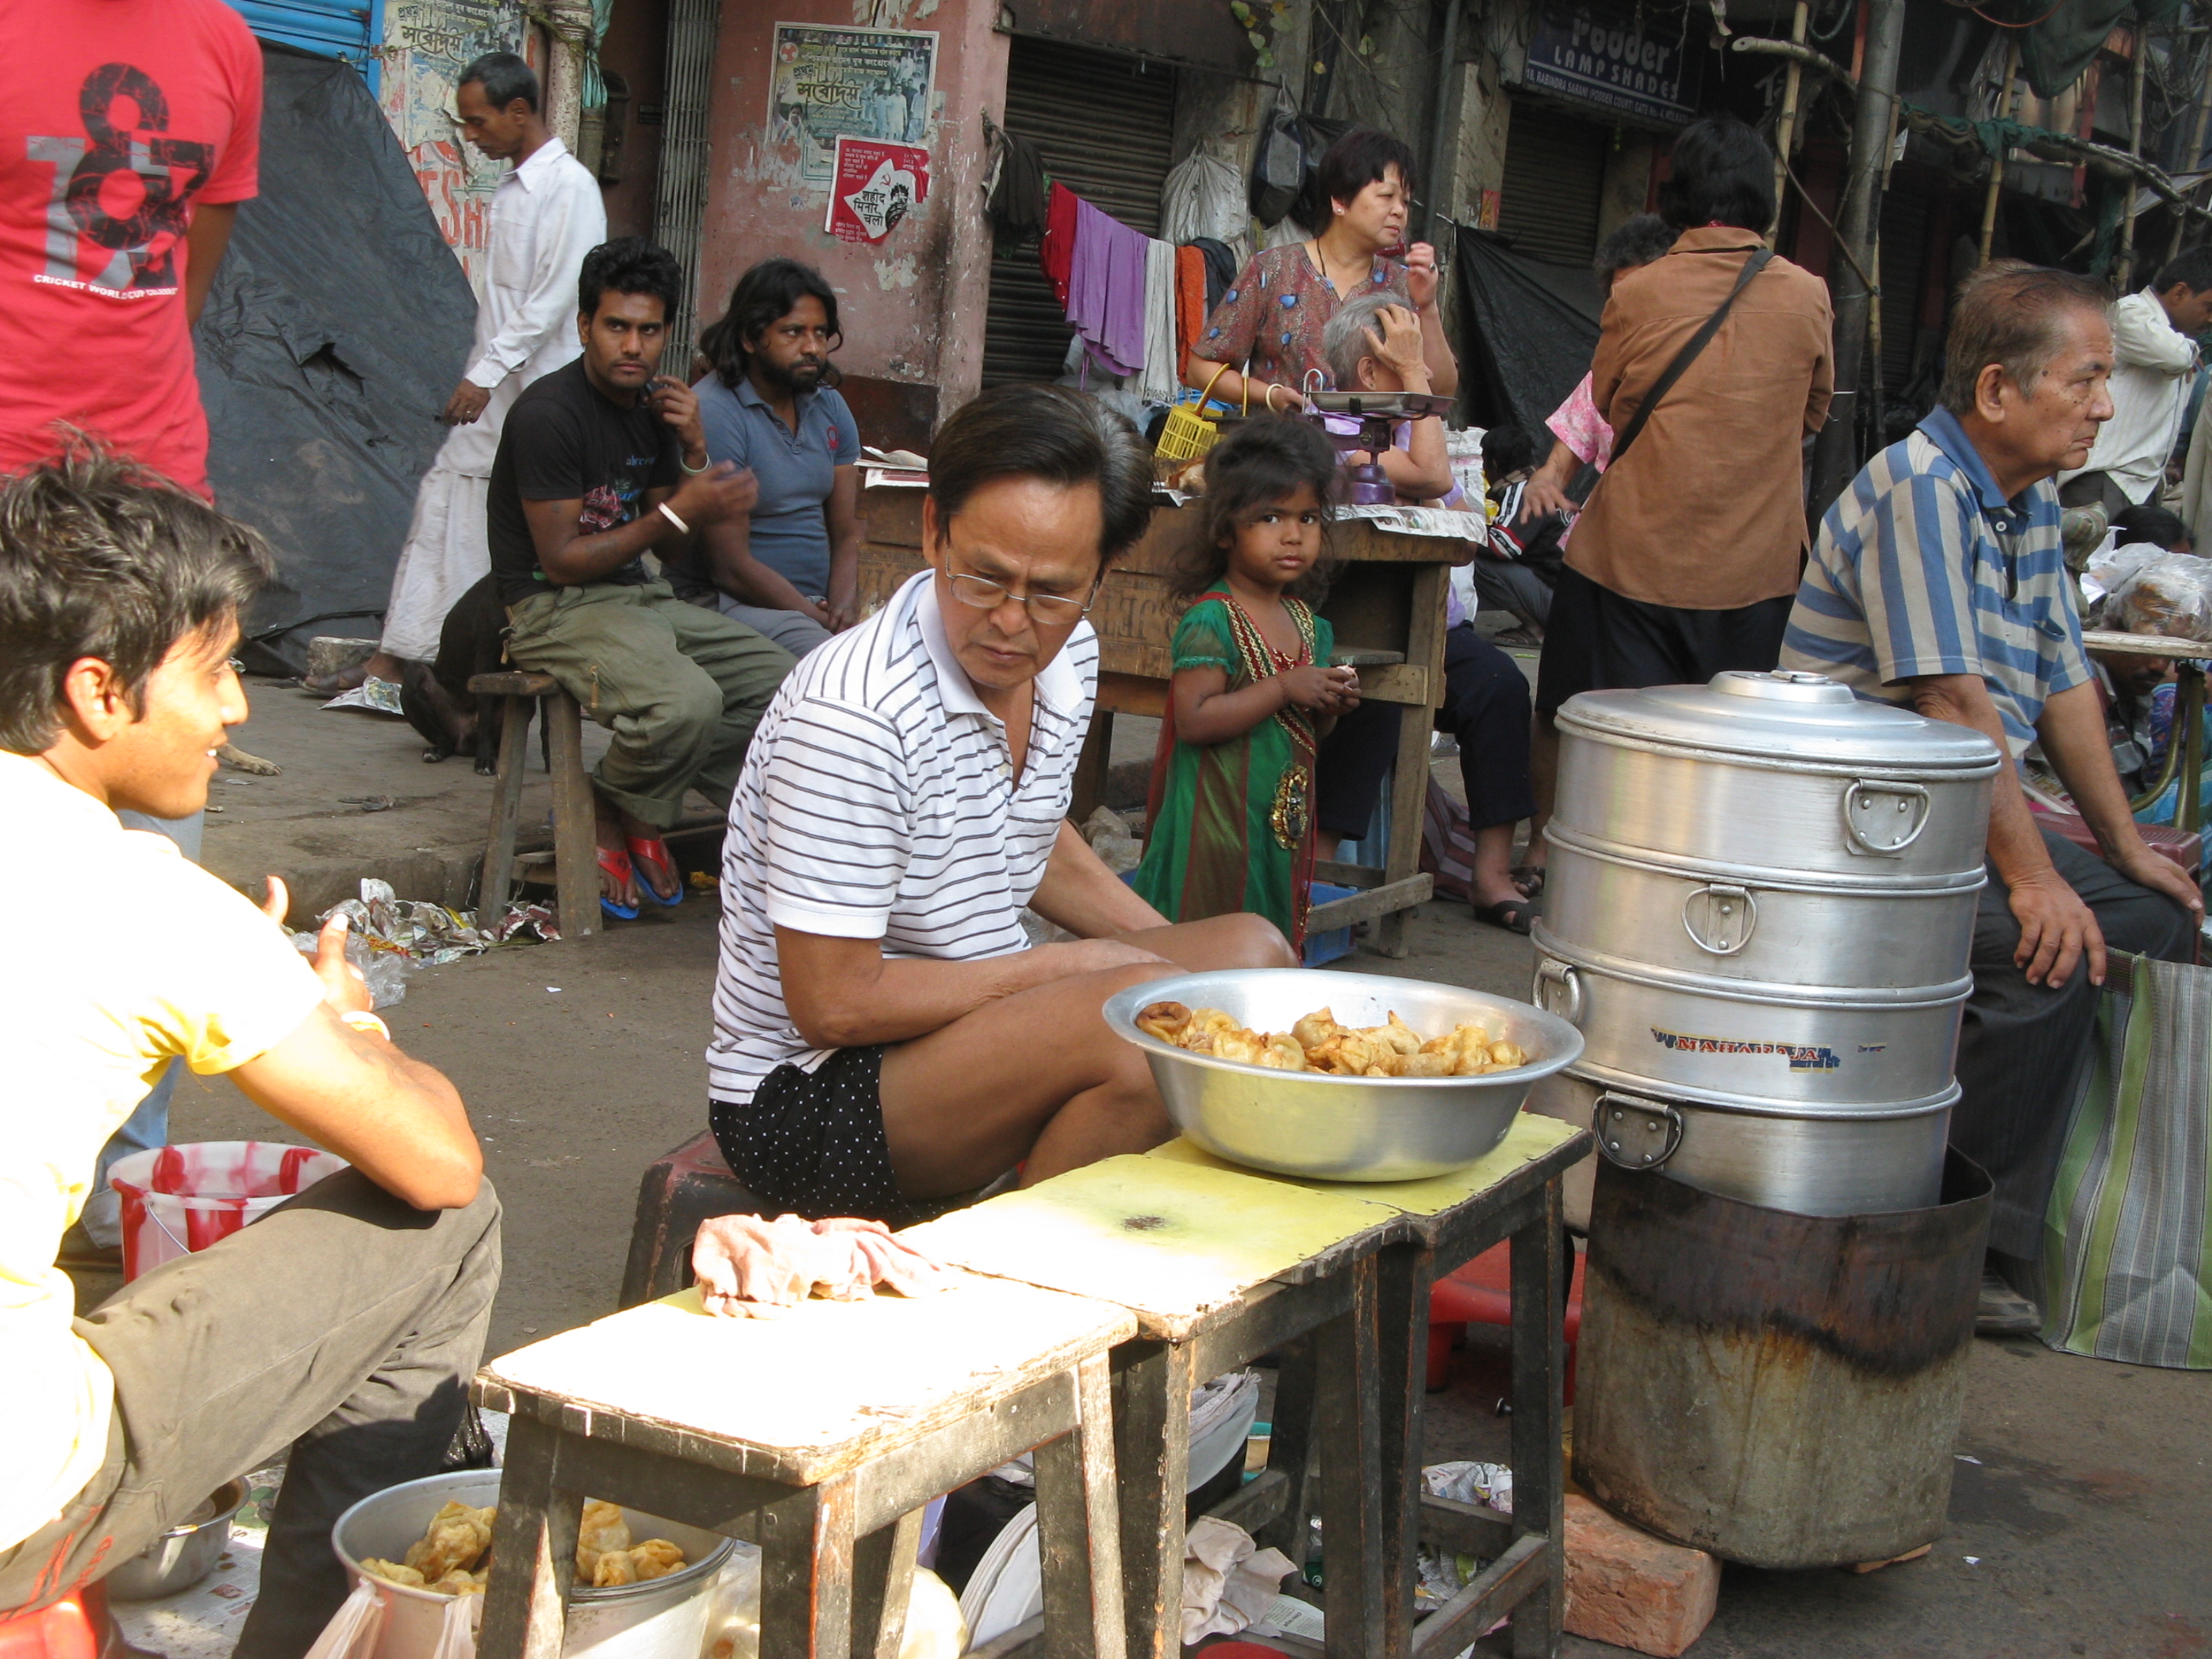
{"points": [[877, 185], [427, 43], [831, 82]]}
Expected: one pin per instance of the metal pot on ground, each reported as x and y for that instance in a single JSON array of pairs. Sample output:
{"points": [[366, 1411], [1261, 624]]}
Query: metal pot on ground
{"points": [[1760, 911]]}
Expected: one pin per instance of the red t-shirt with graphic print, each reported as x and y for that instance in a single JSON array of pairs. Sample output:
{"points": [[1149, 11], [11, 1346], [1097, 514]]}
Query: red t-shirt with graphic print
{"points": [[118, 117]]}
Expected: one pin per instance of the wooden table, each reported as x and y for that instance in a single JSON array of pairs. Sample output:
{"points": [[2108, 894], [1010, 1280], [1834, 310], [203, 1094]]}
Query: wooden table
{"points": [[2185, 753], [822, 1434], [1446, 1222], [1387, 607], [1221, 1264]]}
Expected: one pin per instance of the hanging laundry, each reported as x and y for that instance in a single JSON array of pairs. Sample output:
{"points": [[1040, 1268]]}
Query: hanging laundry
{"points": [[1106, 289], [1190, 304], [1160, 383], [1016, 200], [1222, 265], [1056, 252]]}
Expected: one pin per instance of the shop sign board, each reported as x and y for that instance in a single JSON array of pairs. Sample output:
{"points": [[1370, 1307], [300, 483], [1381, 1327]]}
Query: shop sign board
{"points": [[1605, 60], [829, 82]]}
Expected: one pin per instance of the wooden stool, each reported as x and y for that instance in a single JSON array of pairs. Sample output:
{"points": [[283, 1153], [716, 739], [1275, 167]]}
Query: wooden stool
{"points": [[691, 1184], [575, 839], [1219, 1266], [822, 1433], [1513, 1193]]}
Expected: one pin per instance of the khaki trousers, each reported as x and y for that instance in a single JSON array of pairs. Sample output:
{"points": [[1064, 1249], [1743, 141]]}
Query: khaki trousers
{"points": [[680, 687]]}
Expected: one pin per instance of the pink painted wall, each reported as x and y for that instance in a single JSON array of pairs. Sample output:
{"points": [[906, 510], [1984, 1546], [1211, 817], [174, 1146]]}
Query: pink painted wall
{"points": [[912, 306]]}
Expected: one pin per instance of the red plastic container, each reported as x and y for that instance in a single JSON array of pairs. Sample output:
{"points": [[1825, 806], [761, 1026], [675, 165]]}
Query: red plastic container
{"points": [[180, 1200]]}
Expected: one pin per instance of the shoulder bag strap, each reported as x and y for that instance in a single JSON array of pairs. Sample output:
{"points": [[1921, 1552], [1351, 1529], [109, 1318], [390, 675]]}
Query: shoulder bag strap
{"points": [[1665, 384]]}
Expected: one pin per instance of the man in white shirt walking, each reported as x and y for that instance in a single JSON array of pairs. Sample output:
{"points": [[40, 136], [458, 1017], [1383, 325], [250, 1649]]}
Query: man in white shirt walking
{"points": [[545, 216], [2154, 359]]}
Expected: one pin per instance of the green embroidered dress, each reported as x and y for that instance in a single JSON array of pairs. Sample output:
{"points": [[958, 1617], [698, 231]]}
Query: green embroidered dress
{"points": [[1229, 826]]}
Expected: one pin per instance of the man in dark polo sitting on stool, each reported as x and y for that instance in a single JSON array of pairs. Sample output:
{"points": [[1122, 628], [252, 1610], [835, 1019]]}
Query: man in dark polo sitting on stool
{"points": [[1938, 582]]}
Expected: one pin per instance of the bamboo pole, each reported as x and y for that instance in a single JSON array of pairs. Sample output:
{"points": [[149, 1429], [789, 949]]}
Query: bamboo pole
{"points": [[2123, 263], [1997, 161], [1785, 126]]}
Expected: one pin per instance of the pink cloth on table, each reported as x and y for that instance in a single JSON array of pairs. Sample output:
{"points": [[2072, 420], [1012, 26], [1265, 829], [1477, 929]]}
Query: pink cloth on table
{"points": [[750, 1266], [1106, 289], [1577, 424]]}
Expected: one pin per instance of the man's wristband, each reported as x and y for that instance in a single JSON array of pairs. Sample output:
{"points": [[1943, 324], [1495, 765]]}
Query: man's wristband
{"points": [[361, 1020], [669, 513], [695, 470]]}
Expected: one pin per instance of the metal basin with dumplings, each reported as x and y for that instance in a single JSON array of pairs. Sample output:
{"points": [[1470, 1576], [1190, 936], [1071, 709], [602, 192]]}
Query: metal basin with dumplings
{"points": [[1341, 1128]]}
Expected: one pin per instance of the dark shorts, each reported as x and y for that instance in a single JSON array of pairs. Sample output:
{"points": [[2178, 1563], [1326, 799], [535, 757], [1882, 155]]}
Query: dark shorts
{"points": [[813, 1141], [1599, 640]]}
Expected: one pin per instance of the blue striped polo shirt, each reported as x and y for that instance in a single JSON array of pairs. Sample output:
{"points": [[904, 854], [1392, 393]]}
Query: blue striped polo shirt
{"points": [[1924, 567]]}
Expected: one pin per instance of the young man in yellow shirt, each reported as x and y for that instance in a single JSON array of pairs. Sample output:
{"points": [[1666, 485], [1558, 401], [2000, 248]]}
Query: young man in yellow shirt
{"points": [[347, 1323]]}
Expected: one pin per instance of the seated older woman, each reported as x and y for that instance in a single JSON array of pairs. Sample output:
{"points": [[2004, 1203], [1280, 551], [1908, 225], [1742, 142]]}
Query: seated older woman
{"points": [[1374, 345], [885, 1033]]}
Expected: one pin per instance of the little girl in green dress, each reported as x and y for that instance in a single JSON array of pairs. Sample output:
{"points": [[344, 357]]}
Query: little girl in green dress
{"points": [[1229, 826]]}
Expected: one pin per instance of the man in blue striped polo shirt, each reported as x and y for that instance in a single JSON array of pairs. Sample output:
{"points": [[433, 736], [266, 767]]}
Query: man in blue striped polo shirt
{"points": [[1938, 583]]}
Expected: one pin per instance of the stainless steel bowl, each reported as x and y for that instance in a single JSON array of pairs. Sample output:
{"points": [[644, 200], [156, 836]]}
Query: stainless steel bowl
{"points": [[183, 1555], [1341, 1128]]}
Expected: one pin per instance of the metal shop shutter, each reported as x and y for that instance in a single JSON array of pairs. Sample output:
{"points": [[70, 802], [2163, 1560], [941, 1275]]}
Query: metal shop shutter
{"points": [[1554, 181], [1103, 123], [1904, 264], [333, 28]]}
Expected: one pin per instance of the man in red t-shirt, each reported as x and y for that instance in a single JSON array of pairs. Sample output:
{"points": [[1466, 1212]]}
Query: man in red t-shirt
{"points": [[130, 131]]}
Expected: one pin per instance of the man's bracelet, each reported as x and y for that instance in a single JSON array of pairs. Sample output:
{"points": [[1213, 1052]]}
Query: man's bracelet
{"points": [[361, 1020], [694, 471], [669, 513]]}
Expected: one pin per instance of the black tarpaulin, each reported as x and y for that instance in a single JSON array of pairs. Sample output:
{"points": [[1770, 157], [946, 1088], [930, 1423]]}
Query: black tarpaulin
{"points": [[1532, 327], [337, 328]]}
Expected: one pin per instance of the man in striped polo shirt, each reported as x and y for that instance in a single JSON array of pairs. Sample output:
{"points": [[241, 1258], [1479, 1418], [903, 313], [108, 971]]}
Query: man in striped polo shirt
{"points": [[884, 1036], [1938, 583]]}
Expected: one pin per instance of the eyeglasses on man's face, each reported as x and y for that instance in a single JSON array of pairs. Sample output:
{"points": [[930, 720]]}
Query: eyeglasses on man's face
{"points": [[1053, 610]]}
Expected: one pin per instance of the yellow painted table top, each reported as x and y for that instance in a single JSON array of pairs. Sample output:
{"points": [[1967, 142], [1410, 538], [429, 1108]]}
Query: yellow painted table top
{"points": [[818, 1389], [1530, 1138], [1172, 1241]]}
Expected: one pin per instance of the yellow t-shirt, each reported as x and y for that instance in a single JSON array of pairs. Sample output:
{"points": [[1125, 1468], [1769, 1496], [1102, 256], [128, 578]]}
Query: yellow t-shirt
{"points": [[119, 955]]}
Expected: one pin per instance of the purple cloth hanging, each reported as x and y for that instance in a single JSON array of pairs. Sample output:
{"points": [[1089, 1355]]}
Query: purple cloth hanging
{"points": [[1106, 289]]}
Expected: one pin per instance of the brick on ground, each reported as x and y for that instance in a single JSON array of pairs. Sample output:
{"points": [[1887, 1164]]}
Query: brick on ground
{"points": [[1631, 1589]]}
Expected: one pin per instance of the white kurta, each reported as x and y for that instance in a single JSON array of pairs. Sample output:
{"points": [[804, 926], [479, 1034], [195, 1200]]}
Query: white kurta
{"points": [[545, 216], [2152, 362]]}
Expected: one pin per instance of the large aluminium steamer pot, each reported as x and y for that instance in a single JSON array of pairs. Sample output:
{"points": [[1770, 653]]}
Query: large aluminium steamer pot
{"points": [[1761, 908]]}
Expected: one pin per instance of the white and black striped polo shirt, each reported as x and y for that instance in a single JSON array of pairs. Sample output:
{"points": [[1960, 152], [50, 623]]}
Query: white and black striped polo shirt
{"points": [[878, 802]]}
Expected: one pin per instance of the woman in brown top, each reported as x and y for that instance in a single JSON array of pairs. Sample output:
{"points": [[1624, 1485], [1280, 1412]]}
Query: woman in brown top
{"points": [[1272, 320]]}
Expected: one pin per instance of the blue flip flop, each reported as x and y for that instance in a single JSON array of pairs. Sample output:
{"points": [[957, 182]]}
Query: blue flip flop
{"points": [[644, 849], [615, 863]]}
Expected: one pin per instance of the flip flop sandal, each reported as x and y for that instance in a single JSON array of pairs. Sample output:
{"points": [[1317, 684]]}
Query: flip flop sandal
{"points": [[1529, 879], [653, 850], [615, 863], [1511, 915]]}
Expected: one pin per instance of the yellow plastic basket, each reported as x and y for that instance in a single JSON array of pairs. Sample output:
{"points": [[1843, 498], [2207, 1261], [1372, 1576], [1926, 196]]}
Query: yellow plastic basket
{"points": [[1188, 432]]}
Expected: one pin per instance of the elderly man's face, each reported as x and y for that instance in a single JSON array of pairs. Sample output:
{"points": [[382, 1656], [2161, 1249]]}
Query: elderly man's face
{"points": [[2050, 426], [1016, 539]]}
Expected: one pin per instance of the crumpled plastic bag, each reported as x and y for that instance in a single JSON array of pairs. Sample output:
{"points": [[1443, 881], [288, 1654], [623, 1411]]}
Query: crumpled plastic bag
{"points": [[933, 1626], [1228, 1582], [354, 1628], [1108, 833], [377, 696], [750, 1266], [2169, 593], [1471, 1483]]}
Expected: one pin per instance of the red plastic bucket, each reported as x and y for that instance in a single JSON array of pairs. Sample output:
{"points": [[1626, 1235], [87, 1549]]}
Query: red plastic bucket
{"points": [[180, 1200]]}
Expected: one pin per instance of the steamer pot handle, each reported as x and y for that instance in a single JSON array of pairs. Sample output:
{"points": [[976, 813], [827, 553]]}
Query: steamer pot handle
{"points": [[1902, 793], [1634, 1132], [1551, 971]]}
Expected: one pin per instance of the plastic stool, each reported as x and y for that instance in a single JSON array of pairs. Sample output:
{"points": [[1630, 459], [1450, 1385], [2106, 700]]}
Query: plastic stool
{"points": [[1481, 1293], [74, 1627], [575, 838], [690, 1185]]}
